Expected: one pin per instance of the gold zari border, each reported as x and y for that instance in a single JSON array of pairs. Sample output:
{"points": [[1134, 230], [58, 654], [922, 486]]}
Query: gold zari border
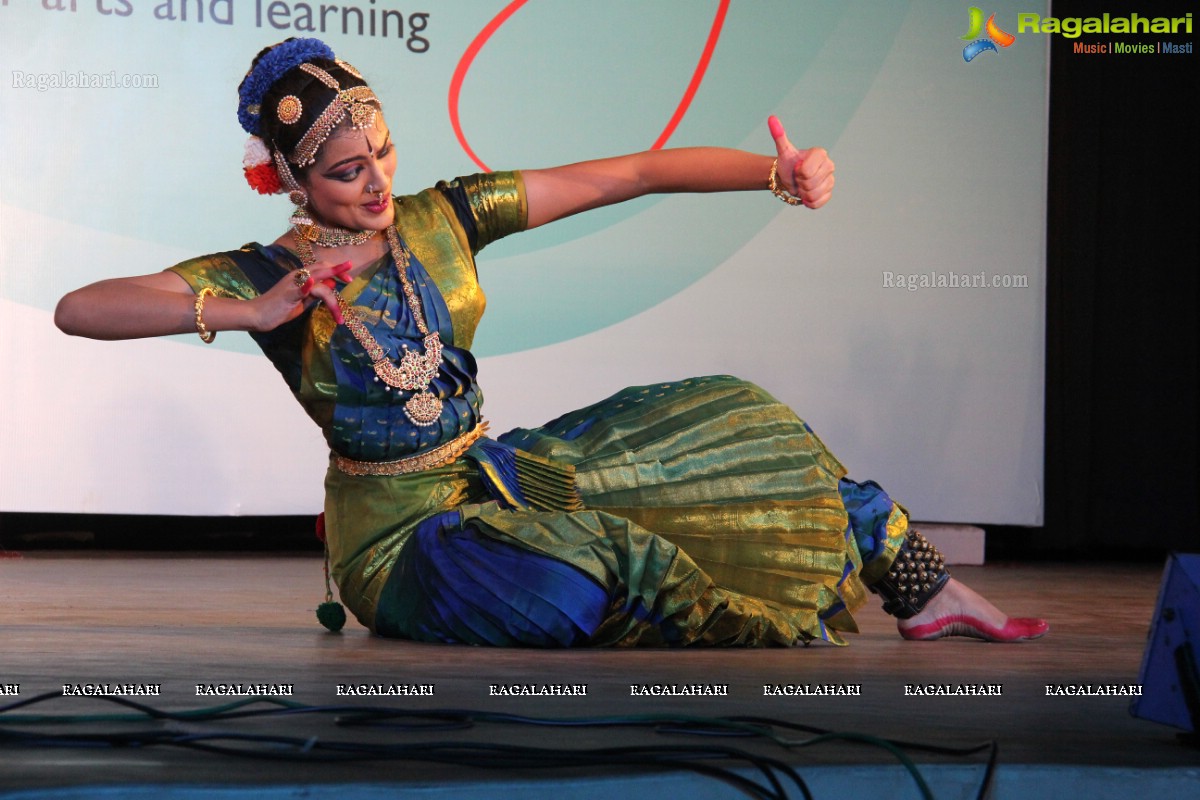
{"points": [[438, 456]]}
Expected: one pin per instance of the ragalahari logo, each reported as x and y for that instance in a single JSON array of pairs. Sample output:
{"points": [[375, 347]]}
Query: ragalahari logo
{"points": [[995, 36]]}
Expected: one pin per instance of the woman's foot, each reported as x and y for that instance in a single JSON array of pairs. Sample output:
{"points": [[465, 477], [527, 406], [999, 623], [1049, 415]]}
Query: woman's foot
{"points": [[959, 611]]}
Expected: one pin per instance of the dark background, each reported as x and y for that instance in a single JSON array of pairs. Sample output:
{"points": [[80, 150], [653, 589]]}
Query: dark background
{"points": [[1122, 217], [1121, 301]]}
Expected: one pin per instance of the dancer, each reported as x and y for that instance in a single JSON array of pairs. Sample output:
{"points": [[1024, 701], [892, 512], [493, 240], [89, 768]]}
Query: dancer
{"points": [[697, 512]]}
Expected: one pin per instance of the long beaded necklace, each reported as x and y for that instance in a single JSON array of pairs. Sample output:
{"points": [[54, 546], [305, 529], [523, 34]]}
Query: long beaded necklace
{"points": [[416, 370]]}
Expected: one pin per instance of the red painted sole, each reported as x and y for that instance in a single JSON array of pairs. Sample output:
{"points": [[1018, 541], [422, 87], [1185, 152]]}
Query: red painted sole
{"points": [[1015, 630]]}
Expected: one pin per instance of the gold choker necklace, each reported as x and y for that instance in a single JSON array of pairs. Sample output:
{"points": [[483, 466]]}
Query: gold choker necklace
{"points": [[307, 233], [416, 370]]}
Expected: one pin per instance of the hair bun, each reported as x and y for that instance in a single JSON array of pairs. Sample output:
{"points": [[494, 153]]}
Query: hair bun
{"points": [[270, 67]]}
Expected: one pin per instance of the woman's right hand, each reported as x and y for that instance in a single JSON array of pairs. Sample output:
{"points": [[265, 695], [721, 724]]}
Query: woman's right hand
{"points": [[297, 290], [162, 303]]}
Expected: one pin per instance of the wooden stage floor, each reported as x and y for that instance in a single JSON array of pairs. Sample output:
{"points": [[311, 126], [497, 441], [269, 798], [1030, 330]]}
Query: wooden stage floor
{"points": [[183, 620]]}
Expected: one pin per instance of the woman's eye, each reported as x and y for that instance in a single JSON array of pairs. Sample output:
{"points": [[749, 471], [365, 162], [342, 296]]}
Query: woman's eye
{"points": [[349, 175]]}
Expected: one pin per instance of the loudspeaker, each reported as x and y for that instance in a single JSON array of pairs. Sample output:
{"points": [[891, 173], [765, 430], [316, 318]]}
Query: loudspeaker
{"points": [[1170, 675]]}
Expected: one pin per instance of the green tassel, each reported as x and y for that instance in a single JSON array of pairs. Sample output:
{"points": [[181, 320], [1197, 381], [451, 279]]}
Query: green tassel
{"points": [[331, 615]]}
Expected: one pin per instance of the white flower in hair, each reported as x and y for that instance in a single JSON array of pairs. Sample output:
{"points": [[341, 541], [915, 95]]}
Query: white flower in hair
{"points": [[257, 153]]}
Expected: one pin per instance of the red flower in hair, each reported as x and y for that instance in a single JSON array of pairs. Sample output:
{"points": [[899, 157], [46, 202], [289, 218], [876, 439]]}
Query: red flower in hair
{"points": [[263, 178]]}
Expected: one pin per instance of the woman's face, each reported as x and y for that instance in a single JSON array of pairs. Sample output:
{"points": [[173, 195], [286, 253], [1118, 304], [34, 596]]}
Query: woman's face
{"points": [[350, 185]]}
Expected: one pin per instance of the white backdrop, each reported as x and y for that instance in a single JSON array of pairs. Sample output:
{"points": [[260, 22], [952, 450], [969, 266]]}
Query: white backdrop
{"points": [[935, 392]]}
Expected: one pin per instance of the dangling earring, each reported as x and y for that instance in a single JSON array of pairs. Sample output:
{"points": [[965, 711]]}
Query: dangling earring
{"points": [[301, 215]]}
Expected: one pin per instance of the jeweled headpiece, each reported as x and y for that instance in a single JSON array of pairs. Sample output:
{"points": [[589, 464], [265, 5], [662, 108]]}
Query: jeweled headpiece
{"points": [[267, 170], [359, 102]]}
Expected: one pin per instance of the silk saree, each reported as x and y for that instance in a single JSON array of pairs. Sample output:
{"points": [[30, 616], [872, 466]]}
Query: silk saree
{"points": [[695, 512]]}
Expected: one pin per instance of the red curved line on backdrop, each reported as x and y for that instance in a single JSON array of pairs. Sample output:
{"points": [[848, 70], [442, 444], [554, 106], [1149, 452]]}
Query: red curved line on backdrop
{"points": [[464, 65], [714, 35], [468, 58]]}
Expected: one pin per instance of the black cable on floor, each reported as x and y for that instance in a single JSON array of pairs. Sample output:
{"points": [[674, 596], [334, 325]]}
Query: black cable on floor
{"points": [[488, 756]]}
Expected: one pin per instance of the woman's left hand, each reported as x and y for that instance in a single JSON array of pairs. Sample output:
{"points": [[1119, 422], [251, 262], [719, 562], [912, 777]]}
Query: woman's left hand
{"points": [[807, 174]]}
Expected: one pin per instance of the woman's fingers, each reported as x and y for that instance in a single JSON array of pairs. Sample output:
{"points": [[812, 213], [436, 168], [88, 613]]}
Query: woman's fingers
{"points": [[324, 291], [814, 178], [320, 273], [807, 174]]}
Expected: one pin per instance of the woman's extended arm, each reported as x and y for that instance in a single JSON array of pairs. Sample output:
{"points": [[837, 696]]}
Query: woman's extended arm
{"points": [[133, 308], [562, 191], [162, 304]]}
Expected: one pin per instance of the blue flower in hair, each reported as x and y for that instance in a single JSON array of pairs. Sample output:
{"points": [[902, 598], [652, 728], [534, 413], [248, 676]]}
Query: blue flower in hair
{"points": [[270, 68]]}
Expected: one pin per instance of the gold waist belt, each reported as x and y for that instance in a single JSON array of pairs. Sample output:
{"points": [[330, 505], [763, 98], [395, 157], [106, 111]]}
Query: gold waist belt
{"points": [[438, 456]]}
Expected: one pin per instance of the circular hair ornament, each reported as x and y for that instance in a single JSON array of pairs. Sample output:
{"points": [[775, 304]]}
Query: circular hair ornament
{"points": [[289, 110]]}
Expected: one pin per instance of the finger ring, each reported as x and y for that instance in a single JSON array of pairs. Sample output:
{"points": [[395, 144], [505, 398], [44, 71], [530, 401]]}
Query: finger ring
{"points": [[301, 277]]}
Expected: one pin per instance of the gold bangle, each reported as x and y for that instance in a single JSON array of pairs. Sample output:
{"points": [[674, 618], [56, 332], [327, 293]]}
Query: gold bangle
{"points": [[206, 335], [778, 190]]}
